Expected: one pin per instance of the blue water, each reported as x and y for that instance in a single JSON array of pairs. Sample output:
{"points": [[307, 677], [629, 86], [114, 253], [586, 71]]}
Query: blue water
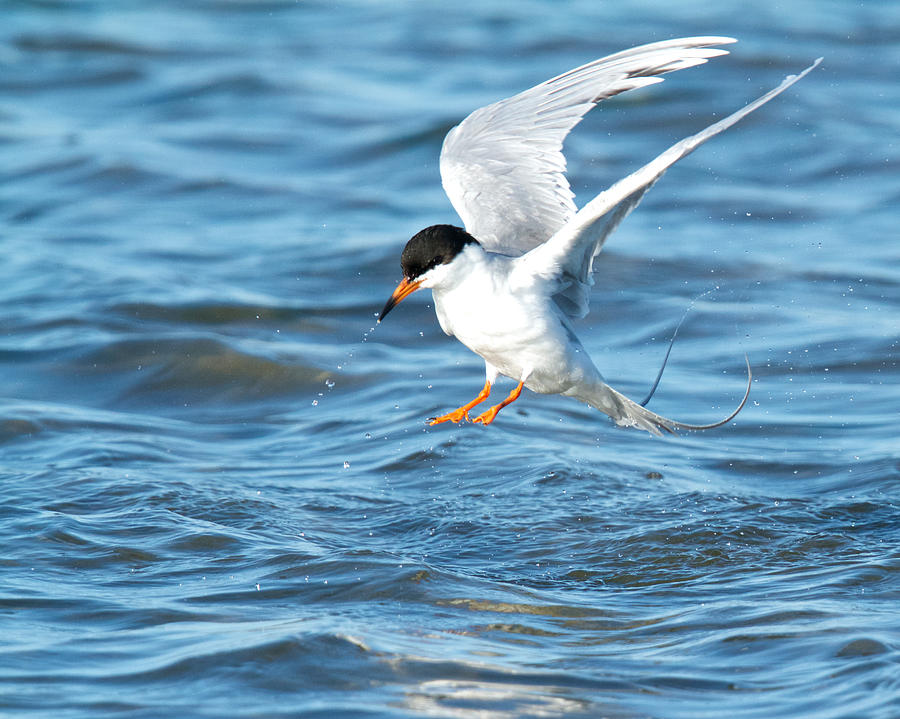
{"points": [[218, 496]]}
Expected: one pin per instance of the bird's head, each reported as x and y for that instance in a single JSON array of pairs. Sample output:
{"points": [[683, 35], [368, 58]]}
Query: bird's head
{"points": [[427, 259]]}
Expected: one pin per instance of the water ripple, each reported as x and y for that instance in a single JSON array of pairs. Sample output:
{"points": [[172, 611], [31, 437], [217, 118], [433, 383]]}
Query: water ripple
{"points": [[220, 496]]}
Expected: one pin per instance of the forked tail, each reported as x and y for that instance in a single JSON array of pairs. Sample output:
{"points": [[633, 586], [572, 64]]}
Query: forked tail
{"points": [[627, 413]]}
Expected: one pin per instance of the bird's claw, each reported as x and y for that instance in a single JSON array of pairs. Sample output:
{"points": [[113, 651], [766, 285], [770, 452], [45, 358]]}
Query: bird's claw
{"points": [[457, 415], [486, 417]]}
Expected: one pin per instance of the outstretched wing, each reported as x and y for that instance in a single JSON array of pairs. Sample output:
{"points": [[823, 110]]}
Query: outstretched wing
{"points": [[503, 167], [567, 257]]}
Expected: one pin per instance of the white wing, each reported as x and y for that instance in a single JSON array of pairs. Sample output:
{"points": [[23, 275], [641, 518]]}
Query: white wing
{"points": [[503, 167], [568, 256]]}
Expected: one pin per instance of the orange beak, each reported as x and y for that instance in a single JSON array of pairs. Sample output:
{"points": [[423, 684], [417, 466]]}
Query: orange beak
{"points": [[404, 289]]}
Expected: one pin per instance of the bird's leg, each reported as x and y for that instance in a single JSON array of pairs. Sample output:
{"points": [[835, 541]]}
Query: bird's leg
{"points": [[487, 416], [458, 415]]}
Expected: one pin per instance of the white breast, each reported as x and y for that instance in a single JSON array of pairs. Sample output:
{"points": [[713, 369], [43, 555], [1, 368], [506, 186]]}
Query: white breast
{"points": [[520, 331]]}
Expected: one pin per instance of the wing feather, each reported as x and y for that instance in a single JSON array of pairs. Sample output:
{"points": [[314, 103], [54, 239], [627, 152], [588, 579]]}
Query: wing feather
{"points": [[503, 167], [567, 257]]}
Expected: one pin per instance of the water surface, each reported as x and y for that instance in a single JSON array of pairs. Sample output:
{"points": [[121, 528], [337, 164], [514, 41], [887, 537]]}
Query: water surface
{"points": [[219, 496]]}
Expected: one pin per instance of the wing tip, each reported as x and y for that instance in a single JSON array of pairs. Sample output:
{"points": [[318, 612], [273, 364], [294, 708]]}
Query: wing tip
{"points": [[711, 40], [696, 41], [791, 79]]}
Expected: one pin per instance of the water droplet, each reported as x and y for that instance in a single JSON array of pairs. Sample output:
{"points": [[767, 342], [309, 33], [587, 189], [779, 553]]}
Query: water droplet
{"points": [[315, 402], [368, 435], [329, 383], [346, 464]]}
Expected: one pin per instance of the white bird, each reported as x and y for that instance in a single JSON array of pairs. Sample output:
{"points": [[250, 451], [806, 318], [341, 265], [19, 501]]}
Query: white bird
{"points": [[509, 284]]}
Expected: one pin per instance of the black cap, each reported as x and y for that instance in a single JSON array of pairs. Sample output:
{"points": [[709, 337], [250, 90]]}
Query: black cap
{"points": [[433, 246]]}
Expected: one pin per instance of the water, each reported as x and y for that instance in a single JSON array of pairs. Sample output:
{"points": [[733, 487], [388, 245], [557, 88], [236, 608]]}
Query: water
{"points": [[202, 209]]}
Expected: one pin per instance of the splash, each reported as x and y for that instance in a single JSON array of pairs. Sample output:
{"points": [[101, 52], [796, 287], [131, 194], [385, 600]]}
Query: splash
{"points": [[341, 367]]}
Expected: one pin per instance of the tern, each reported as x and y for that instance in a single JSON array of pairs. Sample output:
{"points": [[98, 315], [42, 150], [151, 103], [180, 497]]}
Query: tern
{"points": [[509, 285]]}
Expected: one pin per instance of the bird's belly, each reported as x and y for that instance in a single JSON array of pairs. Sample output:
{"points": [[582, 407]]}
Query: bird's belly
{"points": [[530, 344]]}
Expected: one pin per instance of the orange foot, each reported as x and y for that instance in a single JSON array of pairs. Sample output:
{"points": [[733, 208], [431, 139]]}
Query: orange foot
{"points": [[488, 416], [458, 415]]}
